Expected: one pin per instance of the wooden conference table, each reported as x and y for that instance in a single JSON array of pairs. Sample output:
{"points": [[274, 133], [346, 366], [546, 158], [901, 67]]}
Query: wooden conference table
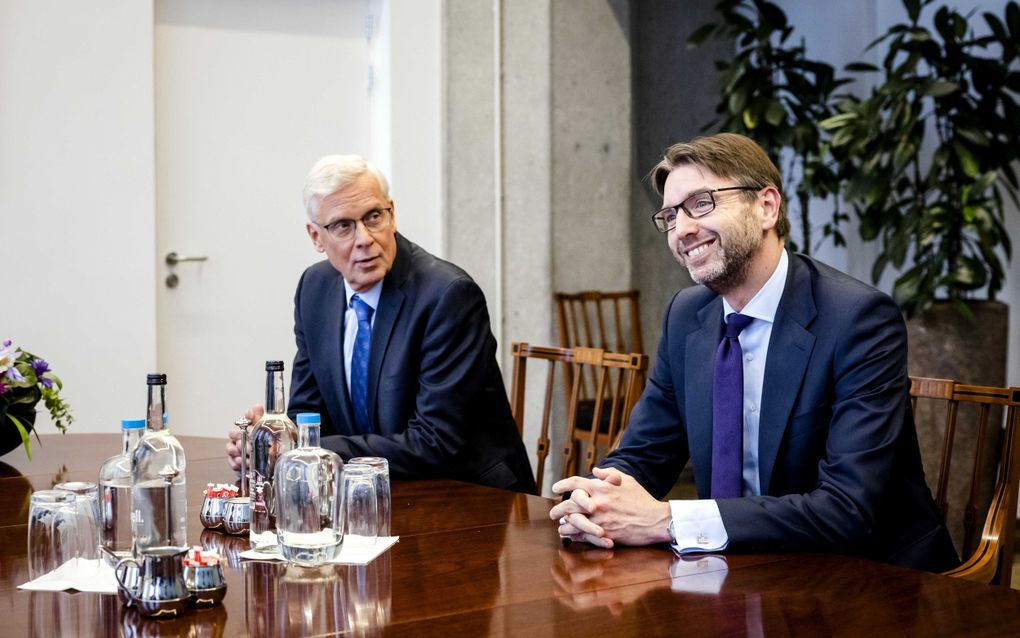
{"points": [[477, 561]]}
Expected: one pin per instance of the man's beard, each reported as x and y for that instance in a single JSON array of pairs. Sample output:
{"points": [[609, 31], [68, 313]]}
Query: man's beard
{"points": [[735, 258]]}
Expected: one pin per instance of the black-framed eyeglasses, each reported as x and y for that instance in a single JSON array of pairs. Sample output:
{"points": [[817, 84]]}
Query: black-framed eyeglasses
{"points": [[696, 205], [343, 229]]}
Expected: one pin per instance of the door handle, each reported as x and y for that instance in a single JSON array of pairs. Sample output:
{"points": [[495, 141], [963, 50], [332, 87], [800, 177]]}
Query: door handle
{"points": [[172, 258]]}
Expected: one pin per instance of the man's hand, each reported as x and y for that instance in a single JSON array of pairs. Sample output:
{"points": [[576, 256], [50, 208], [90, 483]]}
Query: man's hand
{"points": [[610, 508], [234, 437]]}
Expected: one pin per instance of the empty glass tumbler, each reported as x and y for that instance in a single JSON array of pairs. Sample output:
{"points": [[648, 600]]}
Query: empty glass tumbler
{"points": [[53, 531], [360, 502], [381, 470], [306, 483], [87, 505]]}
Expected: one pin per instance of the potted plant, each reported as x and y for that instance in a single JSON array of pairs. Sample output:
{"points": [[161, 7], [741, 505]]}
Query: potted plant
{"points": [[926, 158], [25, 379], [772, 92]]}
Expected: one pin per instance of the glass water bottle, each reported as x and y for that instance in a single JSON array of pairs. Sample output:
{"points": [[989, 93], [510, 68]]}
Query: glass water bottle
{"points": [[273, 435], [309, 523], [115, 492], [158, 485]]}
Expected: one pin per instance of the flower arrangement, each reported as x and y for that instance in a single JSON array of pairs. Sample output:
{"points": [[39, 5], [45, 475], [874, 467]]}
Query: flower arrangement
{"points": [[24, 380]]}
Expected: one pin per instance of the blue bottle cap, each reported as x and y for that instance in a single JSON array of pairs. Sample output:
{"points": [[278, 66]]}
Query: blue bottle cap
{"points": [[132, 424], [309, 418]]}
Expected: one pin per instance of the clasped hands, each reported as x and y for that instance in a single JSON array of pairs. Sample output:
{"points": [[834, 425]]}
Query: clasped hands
{"points": [[608, 509]]}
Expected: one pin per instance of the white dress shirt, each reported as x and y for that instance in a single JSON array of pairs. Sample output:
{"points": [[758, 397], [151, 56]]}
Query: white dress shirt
{"points": [[371, 297], [697, 525]]}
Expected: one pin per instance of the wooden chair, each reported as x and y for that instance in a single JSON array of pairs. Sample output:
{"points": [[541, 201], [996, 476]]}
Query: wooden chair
{"points": [[597, 319], [991, 559], [618, 383]]}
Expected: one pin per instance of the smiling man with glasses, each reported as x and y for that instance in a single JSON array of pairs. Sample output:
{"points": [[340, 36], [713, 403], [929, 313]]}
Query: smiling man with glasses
{"points": [[781, 380], [394, 349]]}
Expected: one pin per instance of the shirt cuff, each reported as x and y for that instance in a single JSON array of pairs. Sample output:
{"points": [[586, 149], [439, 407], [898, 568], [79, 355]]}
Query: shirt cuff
{"points": [[697, 527]]}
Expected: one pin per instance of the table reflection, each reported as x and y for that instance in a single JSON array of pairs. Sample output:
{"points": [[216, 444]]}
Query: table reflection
{"points": [[197, 623], [71, 614], [281, 598], [228, 546]]}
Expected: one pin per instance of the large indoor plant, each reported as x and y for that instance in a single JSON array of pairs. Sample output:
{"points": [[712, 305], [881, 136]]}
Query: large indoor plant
{"points": [[926, 158], [26, 379]]}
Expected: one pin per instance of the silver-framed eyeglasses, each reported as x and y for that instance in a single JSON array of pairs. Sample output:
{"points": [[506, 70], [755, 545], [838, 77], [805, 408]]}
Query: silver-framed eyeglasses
{"points": [[374, 221], [696, 205]]}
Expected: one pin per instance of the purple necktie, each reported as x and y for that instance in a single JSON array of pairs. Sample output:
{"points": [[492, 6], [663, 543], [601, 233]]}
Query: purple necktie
{"points": [[728, 412], [359, 364]]}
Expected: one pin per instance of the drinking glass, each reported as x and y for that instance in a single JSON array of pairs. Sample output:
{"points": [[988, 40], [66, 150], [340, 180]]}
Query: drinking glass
{"points": [[381, 469], [87, 505], [360, 501], [52, 531]]}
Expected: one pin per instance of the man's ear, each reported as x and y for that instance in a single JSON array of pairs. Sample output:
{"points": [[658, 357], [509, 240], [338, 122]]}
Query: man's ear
{"points": [[315, 233], [770, 200]]}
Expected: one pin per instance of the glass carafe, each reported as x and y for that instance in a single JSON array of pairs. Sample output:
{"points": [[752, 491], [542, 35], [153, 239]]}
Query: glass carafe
{"points": [[158, 485], [273, 435], [309, 524], [115, 492]]}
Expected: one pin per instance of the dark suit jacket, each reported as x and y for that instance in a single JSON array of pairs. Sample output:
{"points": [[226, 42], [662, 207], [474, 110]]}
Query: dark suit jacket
{"points": [[839, 463], [436, 398]]}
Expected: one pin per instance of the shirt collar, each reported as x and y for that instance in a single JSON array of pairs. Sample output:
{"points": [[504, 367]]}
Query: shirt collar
{"points": [[765, 302], [370, 296]]}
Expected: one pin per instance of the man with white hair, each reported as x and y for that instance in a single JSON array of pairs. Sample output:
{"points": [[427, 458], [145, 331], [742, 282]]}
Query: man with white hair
{"points": [[394, 348]]}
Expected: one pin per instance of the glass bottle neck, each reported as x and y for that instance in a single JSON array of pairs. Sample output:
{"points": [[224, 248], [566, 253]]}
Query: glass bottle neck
{"points": [[308, 435], [130, 438], [155, 413], [275, 400]]}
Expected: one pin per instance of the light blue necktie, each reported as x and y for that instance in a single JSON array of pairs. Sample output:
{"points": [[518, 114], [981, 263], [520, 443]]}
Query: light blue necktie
{"points": [[359, 364]]}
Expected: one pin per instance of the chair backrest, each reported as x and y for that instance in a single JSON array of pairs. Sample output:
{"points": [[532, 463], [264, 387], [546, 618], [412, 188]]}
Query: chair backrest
{"points": [[988, 558], [610, 321], [614, 396]]}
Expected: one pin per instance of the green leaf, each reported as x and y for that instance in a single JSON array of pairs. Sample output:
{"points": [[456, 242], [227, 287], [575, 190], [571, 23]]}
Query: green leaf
{"points": [[25, 440], [1013, 20], [750, 120], [700, 34], [940, 88], [861, 67], [775, 113], [973, 135], [906, 286], [836, 121], [967, 161]]}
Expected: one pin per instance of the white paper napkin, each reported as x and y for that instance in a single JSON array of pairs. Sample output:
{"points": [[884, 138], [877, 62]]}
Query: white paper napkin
{"points": [[81, 574], [356, 550]]}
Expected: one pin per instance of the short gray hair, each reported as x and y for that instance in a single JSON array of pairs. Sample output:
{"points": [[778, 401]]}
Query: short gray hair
{"points": [[333, 173]]}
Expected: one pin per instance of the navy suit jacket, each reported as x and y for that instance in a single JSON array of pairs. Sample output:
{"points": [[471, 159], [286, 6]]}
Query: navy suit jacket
{"points": [[839, 463], [436, 398]]}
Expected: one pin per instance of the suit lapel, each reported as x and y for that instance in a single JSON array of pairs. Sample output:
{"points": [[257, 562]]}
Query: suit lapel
{"points": [[390, 302], [790, 349], [699, 364], [335, 389]]}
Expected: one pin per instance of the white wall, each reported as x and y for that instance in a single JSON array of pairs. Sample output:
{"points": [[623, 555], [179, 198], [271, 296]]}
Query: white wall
{"points": [[77, 220], [407, 122], [76, 196]]}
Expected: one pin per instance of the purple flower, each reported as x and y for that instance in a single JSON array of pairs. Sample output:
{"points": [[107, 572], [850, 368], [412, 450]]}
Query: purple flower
{"points": [[7, 343], [12, 374], [3, 389], [48, 383], [40, 366]]}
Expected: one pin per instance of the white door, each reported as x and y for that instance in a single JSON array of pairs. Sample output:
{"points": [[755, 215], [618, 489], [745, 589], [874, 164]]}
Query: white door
{"points": [[248, 95]]}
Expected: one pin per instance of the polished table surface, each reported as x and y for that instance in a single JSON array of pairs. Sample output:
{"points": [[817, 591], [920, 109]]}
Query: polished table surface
{"points": [[477, 561]]}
